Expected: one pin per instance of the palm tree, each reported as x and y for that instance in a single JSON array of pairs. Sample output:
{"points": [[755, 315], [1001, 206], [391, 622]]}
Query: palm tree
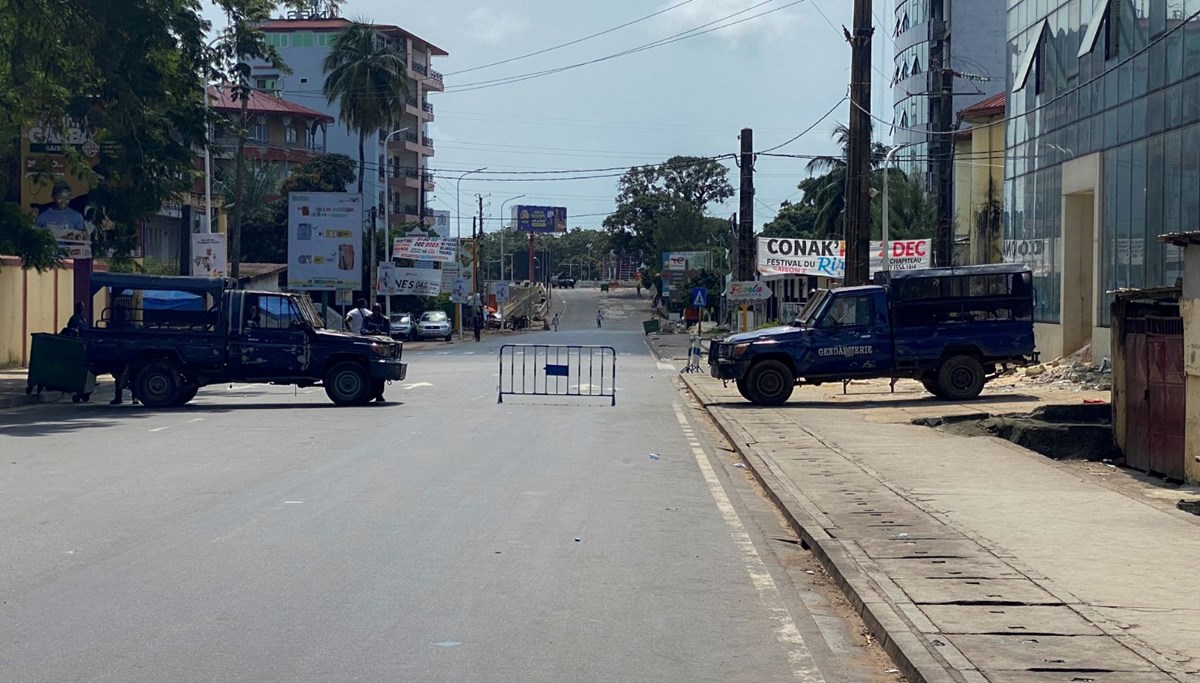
{"points": [[827, 187], [367, 77]]}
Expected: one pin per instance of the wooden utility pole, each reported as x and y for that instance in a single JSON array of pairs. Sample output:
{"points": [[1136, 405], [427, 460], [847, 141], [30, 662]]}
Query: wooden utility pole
{"points": [[745, 235], [942, 143], [858, 171], [478, 239], [239, 184]]}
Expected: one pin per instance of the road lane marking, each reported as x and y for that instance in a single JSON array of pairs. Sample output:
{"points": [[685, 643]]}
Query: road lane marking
{"points": [[416, 385], [665, 366], [293, 502], [159, 429], [804, 668], [196, 419]]}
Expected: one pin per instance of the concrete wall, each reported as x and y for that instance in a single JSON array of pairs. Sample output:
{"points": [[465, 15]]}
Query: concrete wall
{"points": [[1190, 310], [32, 302]]}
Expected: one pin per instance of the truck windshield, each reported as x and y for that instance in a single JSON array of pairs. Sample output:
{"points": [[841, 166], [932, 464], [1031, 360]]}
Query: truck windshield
{"points": [[809, 312]]}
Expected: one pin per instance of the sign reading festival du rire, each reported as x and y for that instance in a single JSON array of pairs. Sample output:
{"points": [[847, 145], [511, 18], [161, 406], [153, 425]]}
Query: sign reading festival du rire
{"points": [[827, 258]]}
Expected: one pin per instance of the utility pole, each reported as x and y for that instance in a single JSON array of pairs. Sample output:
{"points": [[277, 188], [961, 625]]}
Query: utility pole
{"points": [[745, 238], [858, 172], [477, 283], [942, 144], [239, 183], [735, 252]]}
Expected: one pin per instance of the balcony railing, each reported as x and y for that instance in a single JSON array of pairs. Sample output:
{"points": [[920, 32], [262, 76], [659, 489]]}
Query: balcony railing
{"points": [[411, 137], [436, 76], [420, 68], [427, 107], [411, 209], [411, 100], [427, 141]]}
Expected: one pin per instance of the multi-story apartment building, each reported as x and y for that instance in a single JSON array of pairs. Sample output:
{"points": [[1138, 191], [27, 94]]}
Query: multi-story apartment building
{"points": [[399, 157], [976, 29], [1103, 154], [280, 133]]}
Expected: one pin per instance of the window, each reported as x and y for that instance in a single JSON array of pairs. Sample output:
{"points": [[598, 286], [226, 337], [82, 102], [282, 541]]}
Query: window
{"points": [[270, 85], [323, 40], [291, 135], [848, 311], [271, 312], [302, 39], [258, 132]]}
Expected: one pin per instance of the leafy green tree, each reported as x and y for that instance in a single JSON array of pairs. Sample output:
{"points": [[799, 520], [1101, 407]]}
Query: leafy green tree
{"points": [[324, 173], [368, 80], [797, 221], [132, 73]]}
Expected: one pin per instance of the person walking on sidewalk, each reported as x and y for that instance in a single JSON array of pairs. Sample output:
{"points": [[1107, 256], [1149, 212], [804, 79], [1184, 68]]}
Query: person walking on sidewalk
{"points": [[356, 317], [477, 323], [555, 322], [599, 318]]}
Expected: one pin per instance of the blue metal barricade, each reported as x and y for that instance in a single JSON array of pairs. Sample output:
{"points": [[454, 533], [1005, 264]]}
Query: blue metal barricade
{"points": [[558, 370]]}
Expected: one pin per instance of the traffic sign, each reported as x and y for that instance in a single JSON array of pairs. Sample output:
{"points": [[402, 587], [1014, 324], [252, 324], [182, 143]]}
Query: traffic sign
{"points": [[700, 297]]}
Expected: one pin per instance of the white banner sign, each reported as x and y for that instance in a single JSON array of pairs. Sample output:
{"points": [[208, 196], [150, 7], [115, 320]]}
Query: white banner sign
{"points": [[1039, 254], [500, 289], [424, 249], [416, 281], [747, 291], [827, 258], [324, 240], [208, 255], [385, 277], [460, 290]]}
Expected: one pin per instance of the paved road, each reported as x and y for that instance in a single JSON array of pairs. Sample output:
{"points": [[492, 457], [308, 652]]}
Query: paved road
{"points": [[261, 534]]}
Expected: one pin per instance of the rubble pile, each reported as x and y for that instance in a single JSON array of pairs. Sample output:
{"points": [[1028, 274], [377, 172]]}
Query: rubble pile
{"points": [[1076, 372]]}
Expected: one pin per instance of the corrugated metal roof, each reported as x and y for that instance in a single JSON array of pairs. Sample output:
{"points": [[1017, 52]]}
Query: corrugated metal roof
{"points": [[338, 24], [262, 103], [989, 107]]}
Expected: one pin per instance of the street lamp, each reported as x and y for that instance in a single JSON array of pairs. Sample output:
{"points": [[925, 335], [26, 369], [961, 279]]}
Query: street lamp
{"points": [[887, 247], [387, 224], [458, 223], [502, 233]]}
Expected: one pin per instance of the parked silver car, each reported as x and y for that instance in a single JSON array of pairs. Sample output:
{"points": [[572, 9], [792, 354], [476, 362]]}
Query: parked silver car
{"points": [[434, 325], [403, 326]]}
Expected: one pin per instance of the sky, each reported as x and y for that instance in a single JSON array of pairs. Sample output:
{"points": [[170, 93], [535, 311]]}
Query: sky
{"points": [[778, 72]]}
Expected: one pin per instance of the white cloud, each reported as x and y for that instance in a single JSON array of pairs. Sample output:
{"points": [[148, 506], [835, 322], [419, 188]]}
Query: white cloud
{"points": [[746, 25], [494, 27]]}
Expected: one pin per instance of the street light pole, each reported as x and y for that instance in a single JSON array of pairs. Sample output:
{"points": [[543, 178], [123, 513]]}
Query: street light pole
{"points": [[387, 222], [887, 168], [458, 225], [502, 233]]}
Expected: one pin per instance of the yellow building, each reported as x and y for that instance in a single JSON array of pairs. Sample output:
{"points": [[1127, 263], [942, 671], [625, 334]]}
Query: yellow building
{"points": [[979, 180]]}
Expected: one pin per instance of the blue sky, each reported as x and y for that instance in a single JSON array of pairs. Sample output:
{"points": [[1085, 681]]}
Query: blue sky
{"points": [[777, 74]]}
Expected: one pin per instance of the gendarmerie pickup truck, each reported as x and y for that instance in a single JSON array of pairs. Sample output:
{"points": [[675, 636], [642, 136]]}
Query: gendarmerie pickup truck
{"points": [[170, 336], [952, 329]]}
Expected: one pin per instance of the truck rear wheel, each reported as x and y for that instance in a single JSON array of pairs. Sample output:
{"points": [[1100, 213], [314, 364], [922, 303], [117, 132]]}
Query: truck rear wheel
{"points": [[770, 383], [157, 383], [348, 384], [960, 378]]}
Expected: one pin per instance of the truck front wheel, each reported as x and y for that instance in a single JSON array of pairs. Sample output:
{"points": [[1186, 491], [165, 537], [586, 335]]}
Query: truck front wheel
{"points": [[960, 378], [770, 383], [157, 383], [348, 384]]}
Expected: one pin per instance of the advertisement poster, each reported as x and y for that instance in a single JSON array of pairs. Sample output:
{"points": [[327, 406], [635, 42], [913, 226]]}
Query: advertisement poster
{"points": [[325, 240], [827, 258], [753, 290], [460, 290], [450, 272], [208, 255], [409, 281], [540, 218], [687, 260], [436, 249], [52, 189], [1039, 254], [441, 223]]}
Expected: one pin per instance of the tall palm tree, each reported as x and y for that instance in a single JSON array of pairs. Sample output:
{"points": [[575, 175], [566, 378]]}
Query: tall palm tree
{"points": [[828, 184], [367, 77]]}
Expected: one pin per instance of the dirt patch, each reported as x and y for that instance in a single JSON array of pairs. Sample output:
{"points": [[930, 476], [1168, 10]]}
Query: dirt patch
{"points": [[1061, 432]]}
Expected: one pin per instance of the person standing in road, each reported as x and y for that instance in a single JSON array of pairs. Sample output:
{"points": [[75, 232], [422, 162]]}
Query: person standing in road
{"points": [[477, 323], [599, 318], [356, 317], [555, 322], [377, 322]]}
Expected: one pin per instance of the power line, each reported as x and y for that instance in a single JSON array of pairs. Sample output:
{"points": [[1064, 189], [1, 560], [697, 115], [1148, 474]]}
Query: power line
{"points": [[692, 33], [806, 130], [573, 42]]}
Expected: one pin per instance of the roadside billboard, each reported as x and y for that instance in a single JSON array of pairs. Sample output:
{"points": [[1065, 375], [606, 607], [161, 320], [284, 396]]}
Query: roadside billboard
{"points": [[53, 156], [325, 236], [687, 260], [827, 258], [409, 281], [439, 249], [208, 255], [540, 218]]}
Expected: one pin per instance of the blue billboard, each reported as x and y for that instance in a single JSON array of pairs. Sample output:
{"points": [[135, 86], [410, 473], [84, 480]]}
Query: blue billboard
{"points": [[540, 218]]}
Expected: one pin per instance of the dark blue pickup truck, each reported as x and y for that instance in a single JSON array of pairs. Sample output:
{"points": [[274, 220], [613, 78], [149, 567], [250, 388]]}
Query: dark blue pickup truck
{"points": [[950, 328], [172, 335]]}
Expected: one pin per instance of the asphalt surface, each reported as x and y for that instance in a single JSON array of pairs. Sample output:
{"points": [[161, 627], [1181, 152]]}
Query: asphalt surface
{"points": [[262, 534]]}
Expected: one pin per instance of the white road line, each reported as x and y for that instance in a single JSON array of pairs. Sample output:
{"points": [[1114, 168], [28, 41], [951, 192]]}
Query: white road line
{"points": [[200, 419], [159, 429], [416, 385], [665, 366], [799, 657]]}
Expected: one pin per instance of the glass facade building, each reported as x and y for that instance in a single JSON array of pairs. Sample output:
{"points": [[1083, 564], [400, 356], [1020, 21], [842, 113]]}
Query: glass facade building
{"points": [[1103, 147], [976, 56]]}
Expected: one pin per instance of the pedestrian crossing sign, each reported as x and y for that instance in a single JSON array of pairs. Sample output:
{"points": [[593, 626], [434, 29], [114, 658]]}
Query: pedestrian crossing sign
{"points": [[700, 297]]}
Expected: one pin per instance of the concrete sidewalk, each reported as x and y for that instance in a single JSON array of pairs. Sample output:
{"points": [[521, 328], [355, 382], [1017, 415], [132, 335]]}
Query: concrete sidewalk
{"points": [[970, 558], [13, 383]]}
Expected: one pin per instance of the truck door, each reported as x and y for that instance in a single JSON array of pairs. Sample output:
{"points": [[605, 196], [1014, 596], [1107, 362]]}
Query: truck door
{"points": [[270, 339], [852, 338]]}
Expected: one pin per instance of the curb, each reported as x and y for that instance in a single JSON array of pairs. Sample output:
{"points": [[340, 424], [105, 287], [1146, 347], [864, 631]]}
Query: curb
{"points": [[908, 651], [103, 392]]}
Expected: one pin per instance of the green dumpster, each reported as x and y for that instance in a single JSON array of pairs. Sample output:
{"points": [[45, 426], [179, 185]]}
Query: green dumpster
{"points": [[650, 326], [604, 287], [60, 363]]}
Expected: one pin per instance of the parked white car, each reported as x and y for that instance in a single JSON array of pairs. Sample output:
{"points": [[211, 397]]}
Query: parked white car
{"points": [[434, 325]]}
